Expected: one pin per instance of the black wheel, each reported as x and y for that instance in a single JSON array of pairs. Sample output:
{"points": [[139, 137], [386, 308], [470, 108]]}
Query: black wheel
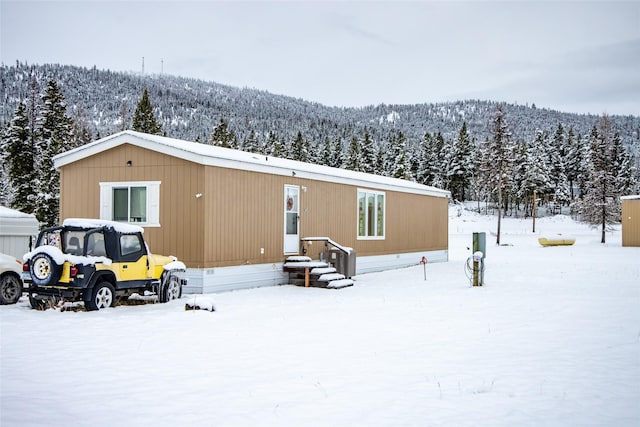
{"points": [[10, 289], [103, 296], [44, 271], [171, 289]]}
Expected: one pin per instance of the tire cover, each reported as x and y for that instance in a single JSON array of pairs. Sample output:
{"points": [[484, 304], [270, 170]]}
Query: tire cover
{"points": [[44, 271]]}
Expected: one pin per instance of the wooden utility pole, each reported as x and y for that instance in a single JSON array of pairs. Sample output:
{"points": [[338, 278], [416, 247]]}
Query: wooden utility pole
{"points": [[533, 209]]}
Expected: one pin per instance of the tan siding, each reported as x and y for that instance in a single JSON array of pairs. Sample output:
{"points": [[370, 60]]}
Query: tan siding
{"points": [[242, 211], [181, 213], [631, 222]]}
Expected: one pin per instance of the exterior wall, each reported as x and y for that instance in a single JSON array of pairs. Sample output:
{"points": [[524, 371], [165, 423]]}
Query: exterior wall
{"points": [[631, 222], [246, 213], [181, 213], [241, 212]]}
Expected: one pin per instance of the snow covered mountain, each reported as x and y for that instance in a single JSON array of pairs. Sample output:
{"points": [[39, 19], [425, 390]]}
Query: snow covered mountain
{"points": [[190, 109]]}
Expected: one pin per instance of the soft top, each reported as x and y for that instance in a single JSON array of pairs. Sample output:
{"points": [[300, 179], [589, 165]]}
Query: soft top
{"points": [[120, 227]]}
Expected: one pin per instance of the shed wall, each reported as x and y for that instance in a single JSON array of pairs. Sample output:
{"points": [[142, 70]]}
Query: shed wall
{"points": [[631, 222]]}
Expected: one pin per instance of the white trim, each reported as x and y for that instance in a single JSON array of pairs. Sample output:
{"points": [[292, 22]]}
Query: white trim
{"points": [[153, 200], [210, 155], [289, 239], [376, 193]]}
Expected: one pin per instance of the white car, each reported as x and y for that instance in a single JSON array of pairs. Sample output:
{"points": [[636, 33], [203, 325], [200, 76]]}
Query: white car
{"points": [[10, 279]]}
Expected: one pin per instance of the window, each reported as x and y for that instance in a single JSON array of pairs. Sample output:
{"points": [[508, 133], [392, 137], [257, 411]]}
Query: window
{"points": [[132, 202], [129, 244], [370, 214]]}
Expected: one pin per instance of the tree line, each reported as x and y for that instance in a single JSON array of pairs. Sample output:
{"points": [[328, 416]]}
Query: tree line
{"points": [[563, 167]]}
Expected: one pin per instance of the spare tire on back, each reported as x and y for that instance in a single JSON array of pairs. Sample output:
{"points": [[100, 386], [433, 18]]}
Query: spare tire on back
{"points": [[44, 270]]}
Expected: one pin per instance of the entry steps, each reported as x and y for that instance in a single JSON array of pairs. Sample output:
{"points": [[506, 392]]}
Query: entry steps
{"points": [[303, 271]]}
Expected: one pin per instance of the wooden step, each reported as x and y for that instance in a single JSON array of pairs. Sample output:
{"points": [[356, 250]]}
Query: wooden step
{"points": [[340, 283], [330, 277]]}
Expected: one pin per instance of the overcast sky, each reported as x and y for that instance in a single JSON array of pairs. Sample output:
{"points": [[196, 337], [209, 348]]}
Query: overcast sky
{"points": [[576, 56]]}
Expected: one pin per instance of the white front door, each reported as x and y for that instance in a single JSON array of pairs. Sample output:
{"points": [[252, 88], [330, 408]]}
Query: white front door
{"points": [[291, 219]]}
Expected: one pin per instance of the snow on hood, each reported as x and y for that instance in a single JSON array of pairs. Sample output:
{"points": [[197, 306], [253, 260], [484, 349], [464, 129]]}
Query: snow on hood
{"points": [[59, 257], [175, 265], [120, 227]]}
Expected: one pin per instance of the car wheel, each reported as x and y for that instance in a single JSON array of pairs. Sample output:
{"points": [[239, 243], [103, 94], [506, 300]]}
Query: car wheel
{"points": [[10, 289], [44, 271], [171, 290], [103, 296]]}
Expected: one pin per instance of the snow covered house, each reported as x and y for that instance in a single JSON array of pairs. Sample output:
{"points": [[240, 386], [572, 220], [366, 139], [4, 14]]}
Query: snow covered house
{"points": [[233, 217], [16, 230], [631, 220]]}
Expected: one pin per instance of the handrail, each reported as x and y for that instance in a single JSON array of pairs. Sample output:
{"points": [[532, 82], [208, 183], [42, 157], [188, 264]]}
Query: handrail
{"points": [[344, 249]]}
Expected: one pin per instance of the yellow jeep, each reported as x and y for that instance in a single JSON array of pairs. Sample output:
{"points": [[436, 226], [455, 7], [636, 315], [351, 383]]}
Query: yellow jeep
{"points": [[98, 262]]}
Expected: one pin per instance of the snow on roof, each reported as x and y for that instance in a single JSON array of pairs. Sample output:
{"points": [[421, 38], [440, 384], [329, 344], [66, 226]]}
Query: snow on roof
{"points": [[12, 213], [210, 155], [97, 223], [635, 197]]}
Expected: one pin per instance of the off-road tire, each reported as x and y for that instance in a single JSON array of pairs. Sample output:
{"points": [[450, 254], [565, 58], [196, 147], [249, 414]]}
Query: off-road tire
{"points": [[44, 271], [102, 296], [171, 289], [10, 289]]}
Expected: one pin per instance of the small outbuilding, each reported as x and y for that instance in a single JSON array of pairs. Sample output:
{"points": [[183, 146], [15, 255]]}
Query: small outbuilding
{"points": [[631, 220], [233, 217], [16, 231]]}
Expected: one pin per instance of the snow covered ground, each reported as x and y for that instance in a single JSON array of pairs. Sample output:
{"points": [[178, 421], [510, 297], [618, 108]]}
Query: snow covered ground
{"points": [[552, 339]]}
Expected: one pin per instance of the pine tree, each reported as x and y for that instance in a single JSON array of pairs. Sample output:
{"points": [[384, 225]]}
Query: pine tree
{"points": [[19, 157], [536, 172], [143, 118], [400, 167], [353, 161], [556, 162], [427, 164], [54, 137], [601, 205], [80, 132], [499, 161], [461, 165], [574, 164], [251, 143], [300, 149], [221, 135], [368, 154]]}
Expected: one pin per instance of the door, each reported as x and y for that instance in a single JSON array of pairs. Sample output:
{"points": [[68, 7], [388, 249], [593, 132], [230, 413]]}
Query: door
{"points": [[291, 219]]}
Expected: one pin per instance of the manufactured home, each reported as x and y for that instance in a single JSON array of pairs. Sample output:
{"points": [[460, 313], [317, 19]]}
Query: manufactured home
{"points": [[234, 217], [631, 220]]}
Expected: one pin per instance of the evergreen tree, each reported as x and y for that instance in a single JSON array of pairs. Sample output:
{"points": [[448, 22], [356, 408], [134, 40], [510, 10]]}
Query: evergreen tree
{"points": [[18, 156], [601, 205], [337, 159], [368, 154], [251, 143], [353, 161], [300, 149], [143, 118], [556, 162], [574, 164], [54, 137], [461, 165], [621, 167], [222, 136], [326, 153], [400, 167], [499, 161], [427, 164], [536, 172]]}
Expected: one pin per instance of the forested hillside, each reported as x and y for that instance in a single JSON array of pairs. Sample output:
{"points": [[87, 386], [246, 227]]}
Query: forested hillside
{"points": [[479, 150], [190, 109]]}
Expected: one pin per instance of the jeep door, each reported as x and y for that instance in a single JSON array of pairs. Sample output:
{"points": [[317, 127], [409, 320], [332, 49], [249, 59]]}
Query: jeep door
{"points": [[133, 269]]}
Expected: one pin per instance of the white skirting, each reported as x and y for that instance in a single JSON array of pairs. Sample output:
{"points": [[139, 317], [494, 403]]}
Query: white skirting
{"points": [[212, 280]]}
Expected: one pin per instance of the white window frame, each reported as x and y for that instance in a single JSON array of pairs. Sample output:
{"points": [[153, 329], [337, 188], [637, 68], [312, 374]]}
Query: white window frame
{"points": [[153, 200], [374, 194]]}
